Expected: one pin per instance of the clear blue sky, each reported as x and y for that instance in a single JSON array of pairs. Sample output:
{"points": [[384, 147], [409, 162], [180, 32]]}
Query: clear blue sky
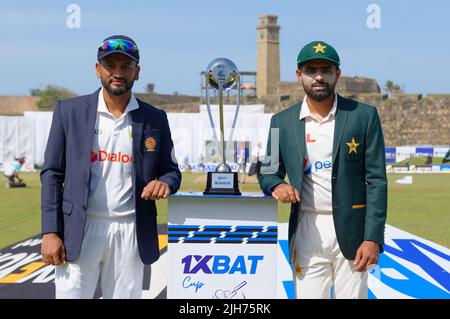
{"points": [[178, 38]]}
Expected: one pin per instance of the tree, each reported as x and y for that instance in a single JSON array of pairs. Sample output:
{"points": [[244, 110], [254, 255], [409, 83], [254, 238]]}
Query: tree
{"points": [[391, 87], [50, 96], [150, 87]]}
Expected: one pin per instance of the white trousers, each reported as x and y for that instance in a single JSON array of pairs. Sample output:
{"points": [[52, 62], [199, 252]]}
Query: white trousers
{"points": [[319, 265], [109, 250]]}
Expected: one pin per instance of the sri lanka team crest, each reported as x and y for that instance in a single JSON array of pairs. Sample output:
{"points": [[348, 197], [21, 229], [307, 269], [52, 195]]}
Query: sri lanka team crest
{"points": [[150, 144]]}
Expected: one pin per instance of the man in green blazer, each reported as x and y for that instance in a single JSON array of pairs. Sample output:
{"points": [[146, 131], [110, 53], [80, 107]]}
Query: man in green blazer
{"points": [[332, 150]]}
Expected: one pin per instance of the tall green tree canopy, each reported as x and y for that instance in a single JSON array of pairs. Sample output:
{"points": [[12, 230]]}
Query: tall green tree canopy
{"points": [[50, 96]]}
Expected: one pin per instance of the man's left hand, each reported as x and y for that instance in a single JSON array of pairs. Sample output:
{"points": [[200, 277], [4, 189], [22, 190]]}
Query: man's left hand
{"points": [[155, 190], [366, 256]]}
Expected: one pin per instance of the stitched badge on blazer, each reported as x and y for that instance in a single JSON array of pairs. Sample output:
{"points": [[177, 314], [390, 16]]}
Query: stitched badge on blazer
{"points": [[352, 146], [150, 144]]}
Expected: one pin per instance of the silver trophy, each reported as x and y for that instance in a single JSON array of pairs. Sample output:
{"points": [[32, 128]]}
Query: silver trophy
{"points": [[222, 75]]}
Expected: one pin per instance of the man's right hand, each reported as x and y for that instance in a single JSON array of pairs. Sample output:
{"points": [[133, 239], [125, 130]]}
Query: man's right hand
{"points": [[286, 193], [52, 250]]}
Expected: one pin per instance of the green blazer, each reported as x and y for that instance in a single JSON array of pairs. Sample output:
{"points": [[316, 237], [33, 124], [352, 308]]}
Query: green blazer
{"points": [[359, 183]]}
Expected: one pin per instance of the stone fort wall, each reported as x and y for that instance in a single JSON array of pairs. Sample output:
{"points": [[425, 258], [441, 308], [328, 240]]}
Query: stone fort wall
{"points": [[407, 119]]}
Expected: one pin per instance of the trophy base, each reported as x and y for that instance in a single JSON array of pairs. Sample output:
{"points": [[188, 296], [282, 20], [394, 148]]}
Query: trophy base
{"points": [[222, 184]]}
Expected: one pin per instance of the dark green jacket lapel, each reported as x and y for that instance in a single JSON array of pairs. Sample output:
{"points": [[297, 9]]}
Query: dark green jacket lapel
{"points": [[299, 136], [339, 126]]}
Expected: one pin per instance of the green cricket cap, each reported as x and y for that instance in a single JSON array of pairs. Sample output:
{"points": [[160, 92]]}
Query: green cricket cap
{"points": [[318, 50]]}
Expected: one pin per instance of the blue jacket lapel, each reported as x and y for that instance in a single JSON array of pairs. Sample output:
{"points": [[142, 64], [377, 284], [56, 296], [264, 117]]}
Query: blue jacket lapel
{"points": [[88, 115], [137, 126]]}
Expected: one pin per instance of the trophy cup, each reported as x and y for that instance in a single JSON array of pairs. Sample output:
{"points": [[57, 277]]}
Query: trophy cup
{"points": [[222, 75]]}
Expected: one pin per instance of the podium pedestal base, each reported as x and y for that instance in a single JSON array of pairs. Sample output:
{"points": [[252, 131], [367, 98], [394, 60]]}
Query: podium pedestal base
{"points": [[222, 246]]}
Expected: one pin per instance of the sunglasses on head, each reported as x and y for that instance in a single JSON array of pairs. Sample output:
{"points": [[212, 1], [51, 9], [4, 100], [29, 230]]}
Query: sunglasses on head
{"points": [[118, 44]]}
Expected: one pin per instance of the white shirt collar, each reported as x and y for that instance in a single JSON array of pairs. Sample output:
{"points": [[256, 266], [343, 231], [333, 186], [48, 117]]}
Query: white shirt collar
{"points": [[305, 111], [101, 106]]}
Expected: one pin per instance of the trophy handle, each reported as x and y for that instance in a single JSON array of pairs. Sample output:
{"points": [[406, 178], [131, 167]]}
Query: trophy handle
{"points": [[208, 107], [238, 104]]}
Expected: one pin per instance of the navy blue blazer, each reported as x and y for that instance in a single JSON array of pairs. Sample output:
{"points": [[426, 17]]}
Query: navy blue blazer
{"points": [[65, 175]]}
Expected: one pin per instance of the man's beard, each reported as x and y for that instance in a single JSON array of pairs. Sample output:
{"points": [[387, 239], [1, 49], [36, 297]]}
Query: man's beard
{"points": [[321, 95], [118, 90]]}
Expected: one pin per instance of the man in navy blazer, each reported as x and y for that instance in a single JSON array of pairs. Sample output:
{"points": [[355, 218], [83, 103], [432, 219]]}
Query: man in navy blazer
{"points": [[108, 157]]}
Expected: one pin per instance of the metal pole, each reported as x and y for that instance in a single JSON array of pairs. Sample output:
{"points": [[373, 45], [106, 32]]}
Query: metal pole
{"points": [[238, 84], [222, 135]]}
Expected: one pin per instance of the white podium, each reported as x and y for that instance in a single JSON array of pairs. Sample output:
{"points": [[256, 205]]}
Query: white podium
{"points": [[221, 246]]}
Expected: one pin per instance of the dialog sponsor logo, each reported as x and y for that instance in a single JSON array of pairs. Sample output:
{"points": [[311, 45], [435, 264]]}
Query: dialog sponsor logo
{"points": [[105, 156]]}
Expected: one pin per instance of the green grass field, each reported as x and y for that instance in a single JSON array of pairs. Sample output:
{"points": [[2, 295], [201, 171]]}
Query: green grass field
{"points": [[422, 208]]}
